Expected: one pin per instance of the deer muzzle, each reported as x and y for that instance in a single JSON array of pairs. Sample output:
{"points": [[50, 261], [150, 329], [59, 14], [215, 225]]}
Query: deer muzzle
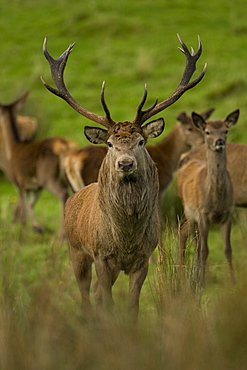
{"points": [[220, 144], [126, 164]]}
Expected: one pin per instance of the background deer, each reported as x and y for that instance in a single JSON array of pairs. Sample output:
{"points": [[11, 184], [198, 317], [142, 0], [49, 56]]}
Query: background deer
{"points": [[32, 165], [206, 191], [27, 128], [238, 173], [114, 222]]}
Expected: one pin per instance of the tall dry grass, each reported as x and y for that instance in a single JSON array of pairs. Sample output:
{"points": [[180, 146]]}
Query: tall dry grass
{"points": [[179, 328]]}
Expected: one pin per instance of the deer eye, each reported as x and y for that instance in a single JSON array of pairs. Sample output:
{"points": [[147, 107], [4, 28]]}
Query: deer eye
{"points": [[109, 144], [141, 142], [207, 132], [226, 132]]}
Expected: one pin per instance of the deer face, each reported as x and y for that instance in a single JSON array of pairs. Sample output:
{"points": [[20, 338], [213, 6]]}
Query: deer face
{"points": [[126, 143], [191, 135], [215, 132]]}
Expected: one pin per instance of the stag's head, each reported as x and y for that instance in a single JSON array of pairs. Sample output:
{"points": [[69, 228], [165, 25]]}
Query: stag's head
{"points": [[125, 140]]}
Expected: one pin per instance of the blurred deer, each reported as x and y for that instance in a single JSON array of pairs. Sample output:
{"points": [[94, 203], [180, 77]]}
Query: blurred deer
{"points": [[206, 191], [27, 128], [115, 221], [31, 165]]}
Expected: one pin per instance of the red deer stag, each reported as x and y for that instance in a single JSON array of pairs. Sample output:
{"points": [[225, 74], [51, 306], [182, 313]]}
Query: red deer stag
{"points": [[206, 191], [32, 165], [115, 222]]}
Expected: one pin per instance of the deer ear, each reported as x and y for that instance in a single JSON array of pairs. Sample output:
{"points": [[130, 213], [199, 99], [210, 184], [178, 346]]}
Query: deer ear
{"points": [[198, 121], [207, 113], [154, 128], [182, 117], [232, 118], [96, 135], [20, 101]]}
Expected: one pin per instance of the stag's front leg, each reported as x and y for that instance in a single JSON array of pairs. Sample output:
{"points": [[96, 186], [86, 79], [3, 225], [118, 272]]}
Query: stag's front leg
{"points": [[136, 280], [226, 232], [82, 265], [105, 277], [98, 295]]}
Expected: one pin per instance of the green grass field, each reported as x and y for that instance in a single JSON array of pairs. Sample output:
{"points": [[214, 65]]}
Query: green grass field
{"points": [[126, 44]]}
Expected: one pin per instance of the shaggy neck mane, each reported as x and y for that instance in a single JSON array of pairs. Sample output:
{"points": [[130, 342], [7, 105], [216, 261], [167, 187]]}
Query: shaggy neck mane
{"points": [[128, 202]]}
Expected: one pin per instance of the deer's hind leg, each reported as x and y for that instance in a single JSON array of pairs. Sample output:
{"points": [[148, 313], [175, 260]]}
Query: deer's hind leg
{"points": [[82, 265], [183, 232]]}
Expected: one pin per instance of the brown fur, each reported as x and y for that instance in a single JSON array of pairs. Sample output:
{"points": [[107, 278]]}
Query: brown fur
{"points": [[115, 222], [206, 190]]}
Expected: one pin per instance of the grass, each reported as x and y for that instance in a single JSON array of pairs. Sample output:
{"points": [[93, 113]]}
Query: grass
{"points": [[127, 44]]}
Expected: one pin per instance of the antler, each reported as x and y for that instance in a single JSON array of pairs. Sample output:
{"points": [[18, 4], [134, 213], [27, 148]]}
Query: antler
{"points": [[184, 84], [57, 70]]}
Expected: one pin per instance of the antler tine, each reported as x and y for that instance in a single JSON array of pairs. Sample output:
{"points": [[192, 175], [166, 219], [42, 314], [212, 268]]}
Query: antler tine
{"points": [[140, 112], [57, 70], [104, 105], [57, 67], [191, 60], [184, 83]]}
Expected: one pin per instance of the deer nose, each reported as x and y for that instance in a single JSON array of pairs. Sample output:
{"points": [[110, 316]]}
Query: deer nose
{"points": [[220, 143], [125, 166]]}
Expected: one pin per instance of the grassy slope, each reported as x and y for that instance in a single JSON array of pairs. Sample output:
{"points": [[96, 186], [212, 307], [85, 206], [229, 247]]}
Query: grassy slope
{"points": [[127, 44]]}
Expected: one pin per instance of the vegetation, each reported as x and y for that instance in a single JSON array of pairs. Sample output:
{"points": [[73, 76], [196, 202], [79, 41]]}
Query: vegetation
{"points": [[127, 44]]}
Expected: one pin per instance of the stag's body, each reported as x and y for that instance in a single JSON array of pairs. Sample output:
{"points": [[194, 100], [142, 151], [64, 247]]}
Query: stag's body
{"points": [[206, 191], [115, 222], [120, 222], [31, 165]]}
